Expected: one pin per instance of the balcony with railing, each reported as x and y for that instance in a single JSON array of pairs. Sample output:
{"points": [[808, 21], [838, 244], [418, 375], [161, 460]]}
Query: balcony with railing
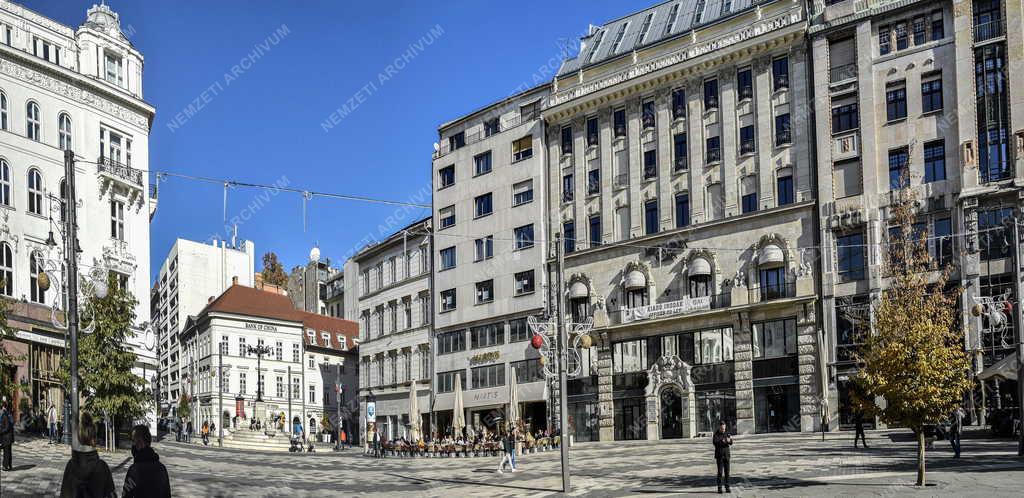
{"points": [[988, 30], [771, 292], [621, 180], [120, 172], [845, 72]]}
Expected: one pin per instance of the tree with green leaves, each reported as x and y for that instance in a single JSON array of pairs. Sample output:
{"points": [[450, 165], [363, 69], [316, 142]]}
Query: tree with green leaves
{"points": [[8, 362], [185, 407], [273, 272], [914, 360]]}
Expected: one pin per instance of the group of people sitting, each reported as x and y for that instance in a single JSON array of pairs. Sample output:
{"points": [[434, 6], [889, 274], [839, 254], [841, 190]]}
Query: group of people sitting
{"points": [[482, 442]]}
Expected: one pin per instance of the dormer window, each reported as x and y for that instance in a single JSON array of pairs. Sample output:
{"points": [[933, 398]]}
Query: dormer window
{"points": [[327, 338], [113, 69], [341, 342]]}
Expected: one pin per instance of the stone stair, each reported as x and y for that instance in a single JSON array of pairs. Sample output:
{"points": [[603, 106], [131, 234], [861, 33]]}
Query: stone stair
{"points": [[244, 439]]}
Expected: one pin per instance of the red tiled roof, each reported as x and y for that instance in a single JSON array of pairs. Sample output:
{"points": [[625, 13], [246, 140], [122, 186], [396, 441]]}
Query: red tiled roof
{"points": [[242, 300]]}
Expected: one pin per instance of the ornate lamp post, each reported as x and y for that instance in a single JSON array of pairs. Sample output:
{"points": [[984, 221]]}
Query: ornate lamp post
{"points": [[259, 350]]}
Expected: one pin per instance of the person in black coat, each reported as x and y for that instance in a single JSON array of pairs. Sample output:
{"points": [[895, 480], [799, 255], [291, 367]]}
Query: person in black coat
{"points": [[86, 474], [6, 434], [722, 441], [147, 477], [858, 425]]}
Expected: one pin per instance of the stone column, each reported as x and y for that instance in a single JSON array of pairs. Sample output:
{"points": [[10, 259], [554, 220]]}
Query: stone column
{"points": [[689, 410], [652, 408], [810, 391], [743, 354], [606, 407]]}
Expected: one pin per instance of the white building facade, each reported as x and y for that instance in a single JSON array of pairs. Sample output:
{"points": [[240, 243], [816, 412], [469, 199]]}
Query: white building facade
{"points": [[190, 275], [73, 89]]}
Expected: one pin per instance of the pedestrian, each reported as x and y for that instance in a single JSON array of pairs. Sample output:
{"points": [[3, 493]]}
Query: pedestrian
{"points": [[6, 434], [956, 427], [205, 433], [188, 431], [509, 443], [86, 474], [51, 419], [146, 477], [858, 425], [722, 441]]}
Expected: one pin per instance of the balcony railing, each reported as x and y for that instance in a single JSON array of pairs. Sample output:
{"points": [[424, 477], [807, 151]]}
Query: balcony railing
{"points": [[988, 30], [123, 172], [772, 292], [662, 310], [842, 73], [622, 180]]}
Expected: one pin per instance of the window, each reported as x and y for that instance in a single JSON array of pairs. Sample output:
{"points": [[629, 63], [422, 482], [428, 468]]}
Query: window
{"points": [[682, 209], [646, 26], [651, 217], [775, 338], [679, 147], [484, 248], [749, 202], [845, 118], [650, 164], [451, 342], [569, 235], [712, 346], [487, 335], [783, 132], [901, 36], [784, 185], [483, 205], [566, 140], [117, 219], [446, 381], [919, 31], [780, 73], [518, 330], [278, 349], [528, 371], [747, 139], [280, 387], [899, 174], [678, 103], [618, 38], [567, 188], [457, 141], [942, 251], [296, 353], [993, 234], [5, 183], [773, 283], [115, 147], [593, 136], [37, 294], [938, 28], [594, 182], [524, 282], [595, 46], [296, 392], [934, 161], [931, 95], [114, 73], [524, 236], [714, 149], [710, 95], [447, 216], [700, 285], [850, 254], [629, 356], [672, 13], [448, 258], [3, 111], [482, 163], [745, 84], [595, 230], [485, 291], [647, 114], [241, 383], [447, 300], [619, 119], [896, 104], [243, 351], [522, 148], [492, 127], [35, 192], [446, 176], [6, 270], [64, 131], [884, 40], [312, 393], [32, 121], [489, 376]]}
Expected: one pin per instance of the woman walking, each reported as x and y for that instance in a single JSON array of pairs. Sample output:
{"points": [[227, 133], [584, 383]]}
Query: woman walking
{"points": [[510, 447]]}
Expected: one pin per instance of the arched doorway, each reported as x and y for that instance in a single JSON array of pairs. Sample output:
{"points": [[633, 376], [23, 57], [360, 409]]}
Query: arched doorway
{"points": [[671, 413]]}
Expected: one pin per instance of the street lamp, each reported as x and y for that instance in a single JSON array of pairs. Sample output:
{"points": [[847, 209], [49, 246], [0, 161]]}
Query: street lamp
{"points": [[259, 350]]}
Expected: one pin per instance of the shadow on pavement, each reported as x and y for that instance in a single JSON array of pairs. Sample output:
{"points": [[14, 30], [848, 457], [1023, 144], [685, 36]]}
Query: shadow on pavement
{"points": [[475, 483]]}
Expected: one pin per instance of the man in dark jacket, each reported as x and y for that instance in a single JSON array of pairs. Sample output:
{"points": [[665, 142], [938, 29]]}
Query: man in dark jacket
{"points": [[956, 427], [722, 441], [858, 425], [6, 434], [85, 474], [147, 477]]}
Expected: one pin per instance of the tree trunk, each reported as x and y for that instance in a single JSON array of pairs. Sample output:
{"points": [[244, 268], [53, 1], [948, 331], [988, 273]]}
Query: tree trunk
{"points": [[920, 457]]}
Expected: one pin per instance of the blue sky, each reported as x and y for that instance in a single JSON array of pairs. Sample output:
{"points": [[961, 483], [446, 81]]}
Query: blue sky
{"points": [[266, 124]]}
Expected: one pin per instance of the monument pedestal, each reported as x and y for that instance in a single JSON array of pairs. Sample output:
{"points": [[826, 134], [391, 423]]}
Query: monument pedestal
{"points": [[259, 410]]}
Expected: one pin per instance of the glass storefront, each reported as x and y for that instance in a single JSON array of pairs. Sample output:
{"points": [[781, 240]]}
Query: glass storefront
{"points": [[777, 408], [714, 406], [630, 419], [584, 421]]}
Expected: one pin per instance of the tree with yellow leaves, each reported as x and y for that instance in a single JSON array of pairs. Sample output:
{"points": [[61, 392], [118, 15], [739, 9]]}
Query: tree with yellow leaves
{"points": [[914, 359]]}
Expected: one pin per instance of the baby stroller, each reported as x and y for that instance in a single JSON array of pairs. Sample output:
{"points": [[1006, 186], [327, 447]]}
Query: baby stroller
{"points": [[295, 445]]}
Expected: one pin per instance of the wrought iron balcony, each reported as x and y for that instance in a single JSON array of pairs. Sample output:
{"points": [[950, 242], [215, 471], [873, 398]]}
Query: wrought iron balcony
{"points": [[988, 30], [842, 73], [772, 292], [119, 171]]}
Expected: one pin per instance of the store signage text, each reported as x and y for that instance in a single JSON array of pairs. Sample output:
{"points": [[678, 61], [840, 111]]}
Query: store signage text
{"points": [[484, 357], [262, 327]]}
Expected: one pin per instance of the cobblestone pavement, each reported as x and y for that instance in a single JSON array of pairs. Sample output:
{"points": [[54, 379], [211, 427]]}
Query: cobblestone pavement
{"points": [[763, 465]]}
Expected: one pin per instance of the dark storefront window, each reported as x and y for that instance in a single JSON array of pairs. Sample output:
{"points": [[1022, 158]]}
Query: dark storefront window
{"points": [[993, 236], [630, 419], [715, 406], [777, 408], [853, 323]]}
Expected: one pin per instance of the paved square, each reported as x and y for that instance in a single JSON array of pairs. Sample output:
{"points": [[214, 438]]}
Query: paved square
{"points": [[763, 465]]}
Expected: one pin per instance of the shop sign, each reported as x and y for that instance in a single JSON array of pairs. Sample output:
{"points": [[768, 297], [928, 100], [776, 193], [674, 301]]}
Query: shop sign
{"points": [[371, 412], [487, 357], [262, 327]]}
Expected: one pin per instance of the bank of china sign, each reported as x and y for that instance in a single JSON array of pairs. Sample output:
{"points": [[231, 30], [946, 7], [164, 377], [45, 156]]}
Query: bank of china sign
{"points": [[692, 52]]}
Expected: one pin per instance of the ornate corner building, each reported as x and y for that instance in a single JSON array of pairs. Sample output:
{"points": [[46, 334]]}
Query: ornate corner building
{"points": [[79, 89]]}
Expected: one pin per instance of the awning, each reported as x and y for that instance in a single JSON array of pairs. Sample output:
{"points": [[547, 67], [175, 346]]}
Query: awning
{"points": [[699, 266], [578, 290], [636, 280], [771, 254], [1005, 368]]}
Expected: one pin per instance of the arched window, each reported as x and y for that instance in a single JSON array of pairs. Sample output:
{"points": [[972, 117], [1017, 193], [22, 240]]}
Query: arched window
{"points": [[64, 131], [5, 183], [32, 121], [6, 270], [37, 294], [579, 301], [635, 285], [3, 111], [699, 273], [35, 191]]}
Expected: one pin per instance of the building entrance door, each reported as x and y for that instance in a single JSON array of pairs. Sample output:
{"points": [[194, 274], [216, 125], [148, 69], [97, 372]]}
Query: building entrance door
{"points": [[671, 413]]}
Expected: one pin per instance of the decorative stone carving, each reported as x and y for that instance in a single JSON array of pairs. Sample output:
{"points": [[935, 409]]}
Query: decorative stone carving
{"points": [[806, 262], [5, 230], [669, 369], [740, 280]]}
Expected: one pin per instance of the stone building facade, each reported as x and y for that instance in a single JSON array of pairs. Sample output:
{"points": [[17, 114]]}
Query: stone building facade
{"points": [[680, 170]]}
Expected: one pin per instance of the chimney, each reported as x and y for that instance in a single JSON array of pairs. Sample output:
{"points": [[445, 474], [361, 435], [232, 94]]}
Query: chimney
{"points": [[234, 280]]}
